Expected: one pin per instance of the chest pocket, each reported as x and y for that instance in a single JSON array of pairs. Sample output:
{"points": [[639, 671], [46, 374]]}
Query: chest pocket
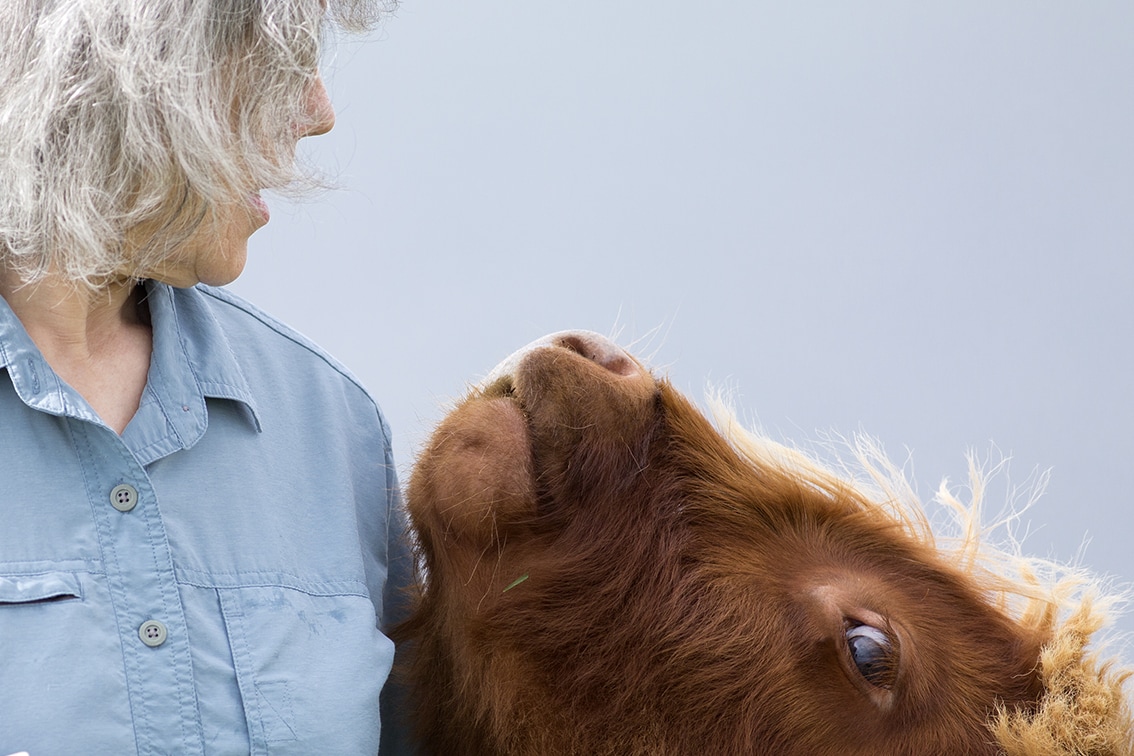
{"points": [[309, 668], [39, 589], [58, 632]]}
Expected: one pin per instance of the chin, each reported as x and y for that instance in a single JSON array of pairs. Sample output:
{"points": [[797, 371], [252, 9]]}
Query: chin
{"points": [[222, 275]]}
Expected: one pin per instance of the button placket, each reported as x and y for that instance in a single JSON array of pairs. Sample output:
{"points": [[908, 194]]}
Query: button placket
{"points": [[142, 587]]}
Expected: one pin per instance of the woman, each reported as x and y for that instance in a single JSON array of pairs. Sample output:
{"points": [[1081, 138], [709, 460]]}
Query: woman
{"points": [[200, 523]]}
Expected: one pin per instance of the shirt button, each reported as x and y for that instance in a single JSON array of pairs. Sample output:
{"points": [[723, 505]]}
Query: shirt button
{"points": [[124, 497], [152, 633]]}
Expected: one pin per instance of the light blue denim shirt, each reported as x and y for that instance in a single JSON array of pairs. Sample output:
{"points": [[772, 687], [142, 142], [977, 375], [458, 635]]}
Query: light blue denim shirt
{"points": [[212, 581]]}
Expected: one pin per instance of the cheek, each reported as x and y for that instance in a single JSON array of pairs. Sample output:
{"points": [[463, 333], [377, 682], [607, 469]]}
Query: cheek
{"points": [[214, 253], [475, 473]]}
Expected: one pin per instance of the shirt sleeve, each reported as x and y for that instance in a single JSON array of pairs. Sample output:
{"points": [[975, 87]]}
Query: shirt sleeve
{"points": [[396, 604]]}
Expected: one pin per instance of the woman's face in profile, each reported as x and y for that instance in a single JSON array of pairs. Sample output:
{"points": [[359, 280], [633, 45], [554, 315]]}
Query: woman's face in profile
{"points": [[217, 250]]}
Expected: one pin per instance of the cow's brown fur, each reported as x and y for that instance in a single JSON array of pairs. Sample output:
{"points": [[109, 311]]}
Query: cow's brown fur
{"points": [[608, 574]]}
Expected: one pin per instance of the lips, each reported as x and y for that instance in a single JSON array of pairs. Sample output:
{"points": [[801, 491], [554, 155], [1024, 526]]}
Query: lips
{"points": [[261, 207]]}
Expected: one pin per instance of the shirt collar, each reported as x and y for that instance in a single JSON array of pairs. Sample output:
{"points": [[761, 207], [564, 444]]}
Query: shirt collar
{"points": [[34, 380], [192, 359]]}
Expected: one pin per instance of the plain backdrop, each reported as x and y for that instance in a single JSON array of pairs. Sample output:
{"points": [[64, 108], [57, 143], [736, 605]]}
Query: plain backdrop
{"points": [[909, 219]]}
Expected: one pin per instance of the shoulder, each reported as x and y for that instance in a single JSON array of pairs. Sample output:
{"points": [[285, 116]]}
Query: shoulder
{"points": [[236, 313], [263, 344]]}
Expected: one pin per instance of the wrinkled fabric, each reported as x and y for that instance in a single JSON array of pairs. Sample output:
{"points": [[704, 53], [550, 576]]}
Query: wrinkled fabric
{"points": [[265, 538]]}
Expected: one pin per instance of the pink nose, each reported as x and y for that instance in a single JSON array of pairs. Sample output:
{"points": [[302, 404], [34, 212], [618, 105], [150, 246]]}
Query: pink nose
{"points": [[598, 349], [593, 346]]}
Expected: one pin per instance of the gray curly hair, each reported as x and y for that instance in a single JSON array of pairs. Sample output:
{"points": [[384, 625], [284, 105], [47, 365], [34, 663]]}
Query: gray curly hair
{"points": [[117, 115]]}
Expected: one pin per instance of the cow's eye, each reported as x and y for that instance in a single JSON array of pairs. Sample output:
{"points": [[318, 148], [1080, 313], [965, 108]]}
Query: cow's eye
{"points": [[873, 653]]}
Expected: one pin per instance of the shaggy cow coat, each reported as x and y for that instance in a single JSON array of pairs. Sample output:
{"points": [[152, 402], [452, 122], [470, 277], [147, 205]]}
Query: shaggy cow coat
{"points": [[605, 572]]}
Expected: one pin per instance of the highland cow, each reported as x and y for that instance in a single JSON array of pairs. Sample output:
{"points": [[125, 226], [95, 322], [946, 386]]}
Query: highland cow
{"points": [[604, 572]]}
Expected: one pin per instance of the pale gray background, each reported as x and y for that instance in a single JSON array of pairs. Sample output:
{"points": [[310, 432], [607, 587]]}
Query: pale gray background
{"points": [[910, 220]]}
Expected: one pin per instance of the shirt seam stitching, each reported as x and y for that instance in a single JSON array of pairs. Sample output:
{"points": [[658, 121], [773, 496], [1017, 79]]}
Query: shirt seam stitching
{"points": [[286, 332]]}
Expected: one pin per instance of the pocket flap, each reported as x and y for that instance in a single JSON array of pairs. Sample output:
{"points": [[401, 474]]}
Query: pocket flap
{"points": [[46, 586]]}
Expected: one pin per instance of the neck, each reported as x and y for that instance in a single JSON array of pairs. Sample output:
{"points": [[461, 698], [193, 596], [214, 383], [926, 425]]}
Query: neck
{"points": [[97, 340], [68, 320]]}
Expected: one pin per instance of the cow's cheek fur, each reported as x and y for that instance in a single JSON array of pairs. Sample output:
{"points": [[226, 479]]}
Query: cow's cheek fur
{"points": [[475, 474]]}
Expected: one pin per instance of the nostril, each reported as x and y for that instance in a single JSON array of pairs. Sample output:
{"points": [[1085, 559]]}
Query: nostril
{"points": [[587, 344], [600, 351]]}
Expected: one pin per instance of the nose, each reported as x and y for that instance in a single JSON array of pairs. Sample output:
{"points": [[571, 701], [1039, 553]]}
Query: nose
{"points": [[318, 115], [598, 349], [587, 344]]}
